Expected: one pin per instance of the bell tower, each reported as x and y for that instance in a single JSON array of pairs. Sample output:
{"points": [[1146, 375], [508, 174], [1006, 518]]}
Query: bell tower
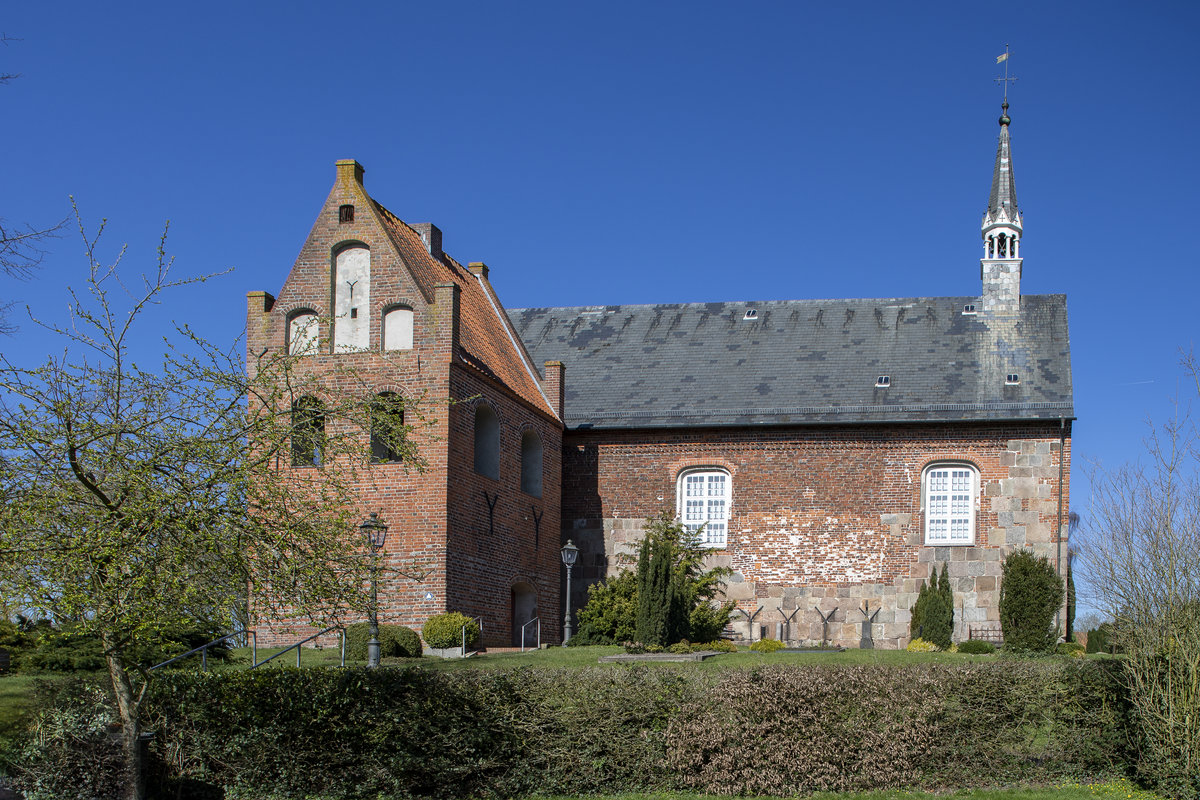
{"points": [[1000, 267]]}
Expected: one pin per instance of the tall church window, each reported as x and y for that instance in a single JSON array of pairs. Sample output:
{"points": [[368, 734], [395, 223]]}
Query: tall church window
{"points": [[302, 334], [398, 329], [951, 492], [352, 299], [531, 464], [308, 432], [387, 428], [704, 498], [487, 442]]}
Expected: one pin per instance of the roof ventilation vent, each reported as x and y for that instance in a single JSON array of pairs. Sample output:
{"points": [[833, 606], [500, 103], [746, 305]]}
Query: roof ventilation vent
{"points": [[969, 308], [883, 381], [1012, 379], [751, 313], [346, 213]]}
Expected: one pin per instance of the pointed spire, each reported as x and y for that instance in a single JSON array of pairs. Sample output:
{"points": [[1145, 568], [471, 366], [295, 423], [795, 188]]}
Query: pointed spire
{"points": [[1002, 203]]}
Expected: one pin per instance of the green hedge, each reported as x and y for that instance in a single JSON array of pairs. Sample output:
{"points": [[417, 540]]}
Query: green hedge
{"points": [[395, 641], [787, 730]]}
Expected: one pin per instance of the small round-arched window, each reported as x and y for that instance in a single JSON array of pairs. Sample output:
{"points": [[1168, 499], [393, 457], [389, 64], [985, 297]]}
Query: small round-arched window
{"points": [[531, 464], [302, 334], [487, 442], [398, 329]]}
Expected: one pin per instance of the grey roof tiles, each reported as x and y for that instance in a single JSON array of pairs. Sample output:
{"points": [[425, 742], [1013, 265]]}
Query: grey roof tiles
{"points": [[804, 361]]}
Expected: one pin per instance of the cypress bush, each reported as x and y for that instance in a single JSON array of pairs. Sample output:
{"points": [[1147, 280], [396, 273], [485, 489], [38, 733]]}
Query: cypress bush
{"points": [[932, 618], [655, 598], [1030, 595]]}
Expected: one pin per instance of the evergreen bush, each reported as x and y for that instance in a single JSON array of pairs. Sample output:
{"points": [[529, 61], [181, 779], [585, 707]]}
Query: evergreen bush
{"points": [[1031, 593], [1100, 640], [610, 614], [932, 618], [446, 630], [976, 647], [395, 641]]}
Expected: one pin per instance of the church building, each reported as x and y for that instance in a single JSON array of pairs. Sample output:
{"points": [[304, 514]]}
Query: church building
{"points": [[831, 453]]}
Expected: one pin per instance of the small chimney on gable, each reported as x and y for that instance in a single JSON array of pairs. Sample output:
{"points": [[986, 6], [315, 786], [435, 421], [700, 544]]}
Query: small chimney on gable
{"points": [[431, 235], [349, 170]]}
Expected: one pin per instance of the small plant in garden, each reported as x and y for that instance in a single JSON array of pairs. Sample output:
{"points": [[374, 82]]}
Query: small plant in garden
{"points": [[920, 645], [767, 646], [720, 645], [1031, 593], [446, 630], [976, 647], [1072, 649]]}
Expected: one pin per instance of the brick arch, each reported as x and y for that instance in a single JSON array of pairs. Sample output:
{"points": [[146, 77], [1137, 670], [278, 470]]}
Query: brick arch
{"points": [[290, 309], [346, 244]]}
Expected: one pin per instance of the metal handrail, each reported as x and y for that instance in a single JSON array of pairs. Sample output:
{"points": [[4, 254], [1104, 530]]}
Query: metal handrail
{"points": [[297, 647], [538, 620], [203, 650], [478, 621]]}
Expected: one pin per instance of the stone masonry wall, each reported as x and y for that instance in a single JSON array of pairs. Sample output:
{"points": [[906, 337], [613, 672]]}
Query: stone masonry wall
{"points": [[826, 517]]}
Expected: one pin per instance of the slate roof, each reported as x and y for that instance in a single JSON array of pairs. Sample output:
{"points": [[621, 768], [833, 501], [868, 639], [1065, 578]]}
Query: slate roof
{"points": [[804, 362], [1002, 201]]}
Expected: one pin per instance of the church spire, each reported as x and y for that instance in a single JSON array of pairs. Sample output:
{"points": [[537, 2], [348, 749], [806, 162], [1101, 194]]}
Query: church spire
{"points": [[1002, 222], [1000, 266]]}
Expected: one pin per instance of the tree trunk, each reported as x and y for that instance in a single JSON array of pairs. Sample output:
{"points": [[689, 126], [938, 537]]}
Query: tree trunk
{"points": [[128, 704]]}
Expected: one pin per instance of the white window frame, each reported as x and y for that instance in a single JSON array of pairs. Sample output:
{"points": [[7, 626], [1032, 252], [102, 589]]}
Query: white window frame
{"points": [[950, 502], [704, 502]]}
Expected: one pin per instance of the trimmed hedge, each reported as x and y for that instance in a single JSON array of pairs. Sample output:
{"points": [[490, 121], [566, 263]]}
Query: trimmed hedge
{"points": [[780, 730], [395, 641]]}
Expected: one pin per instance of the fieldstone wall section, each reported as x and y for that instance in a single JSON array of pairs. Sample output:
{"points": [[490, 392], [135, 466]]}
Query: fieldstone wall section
{"points": [[827, 518]]}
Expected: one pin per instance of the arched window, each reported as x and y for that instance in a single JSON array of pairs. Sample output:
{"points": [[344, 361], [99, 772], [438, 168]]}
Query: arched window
{"points": [[487, 442], [302, 334], [351, 300], [387, 428], [704, 497], [398, 329], [308, 432], [950, 497], [531, 464]]}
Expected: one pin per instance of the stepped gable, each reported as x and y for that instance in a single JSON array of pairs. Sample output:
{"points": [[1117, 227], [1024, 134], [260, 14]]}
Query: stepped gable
{"points": [[487, 341], [805, 361]]}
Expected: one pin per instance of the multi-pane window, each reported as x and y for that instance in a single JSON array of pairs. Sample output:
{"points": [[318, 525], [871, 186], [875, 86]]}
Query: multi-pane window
{"points": [[950, 504], [704, 500]]}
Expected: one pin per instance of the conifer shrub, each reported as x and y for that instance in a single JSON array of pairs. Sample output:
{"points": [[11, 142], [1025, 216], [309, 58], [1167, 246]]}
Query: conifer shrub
{"points": [[1100, 640], [932, 618], [395, 641], [446, 630], [976, 647], [1030, 595]]}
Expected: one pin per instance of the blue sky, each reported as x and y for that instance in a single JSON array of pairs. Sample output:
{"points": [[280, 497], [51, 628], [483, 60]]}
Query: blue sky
{"points": [[635, 153]]}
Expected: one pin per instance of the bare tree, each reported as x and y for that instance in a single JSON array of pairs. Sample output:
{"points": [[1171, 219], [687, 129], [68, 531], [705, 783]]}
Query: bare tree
{"points": [[1142, 558]]}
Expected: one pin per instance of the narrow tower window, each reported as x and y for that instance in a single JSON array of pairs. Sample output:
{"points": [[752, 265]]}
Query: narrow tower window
{"points": [[398, 329], [531, 464], [308, 432], [487, 442], [387, 428], [346, 213]]}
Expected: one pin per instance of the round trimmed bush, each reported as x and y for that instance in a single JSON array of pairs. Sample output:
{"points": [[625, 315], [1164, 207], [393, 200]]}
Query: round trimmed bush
{"points": [[919, 645], [395, 641], [976, 647], [767, 646], [446, 630]]}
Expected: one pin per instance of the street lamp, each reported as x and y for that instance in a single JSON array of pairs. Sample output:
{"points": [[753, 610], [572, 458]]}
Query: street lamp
{"points": [[569, 553], [376, 533]]}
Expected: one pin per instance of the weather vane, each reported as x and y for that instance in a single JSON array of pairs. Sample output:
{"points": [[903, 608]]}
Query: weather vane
{"points": [[1005, 81]]}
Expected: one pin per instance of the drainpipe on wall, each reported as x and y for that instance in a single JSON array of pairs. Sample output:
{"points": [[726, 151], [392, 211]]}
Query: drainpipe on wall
{"points": [[1062, 461]]}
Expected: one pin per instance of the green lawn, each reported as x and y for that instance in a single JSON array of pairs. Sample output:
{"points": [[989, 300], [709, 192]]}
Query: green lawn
{"points": [[1114, 790]]}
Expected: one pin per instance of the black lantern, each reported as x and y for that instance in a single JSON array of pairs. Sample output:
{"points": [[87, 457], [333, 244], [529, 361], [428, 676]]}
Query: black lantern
{"points": [[569, 553], [376, 533]]}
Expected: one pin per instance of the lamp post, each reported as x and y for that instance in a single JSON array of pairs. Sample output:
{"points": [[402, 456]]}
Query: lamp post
{"points": [[376, 533], [569, 553]]}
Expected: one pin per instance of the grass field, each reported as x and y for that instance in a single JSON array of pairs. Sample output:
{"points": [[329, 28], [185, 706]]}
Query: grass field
{"points": [[1115, 790]]}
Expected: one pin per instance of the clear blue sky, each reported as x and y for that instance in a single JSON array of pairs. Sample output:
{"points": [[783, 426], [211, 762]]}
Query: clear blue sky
{"points": [[637, 153]]}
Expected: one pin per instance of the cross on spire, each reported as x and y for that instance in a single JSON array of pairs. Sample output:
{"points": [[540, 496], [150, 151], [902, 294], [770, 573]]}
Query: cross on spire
{"points": [[1005, 81]]}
